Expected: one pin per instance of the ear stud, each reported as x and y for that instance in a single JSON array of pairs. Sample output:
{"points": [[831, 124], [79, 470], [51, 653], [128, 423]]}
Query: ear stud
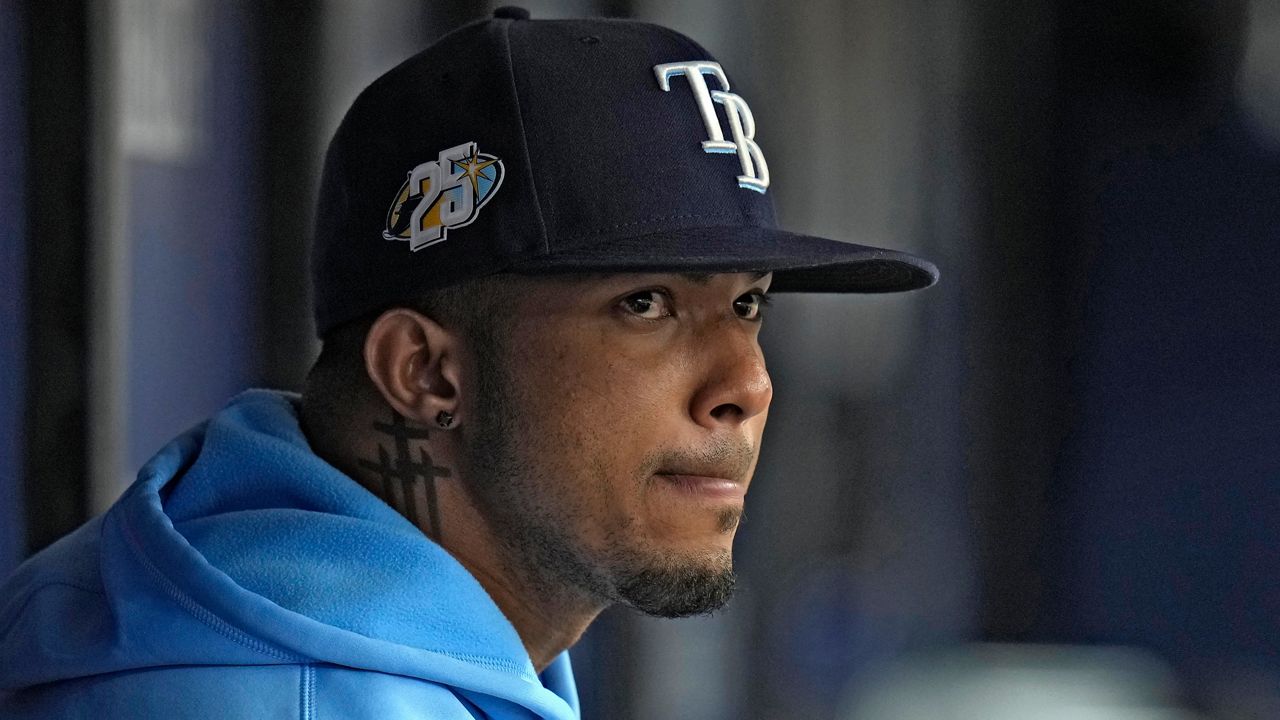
{"points": [[444, 419]]}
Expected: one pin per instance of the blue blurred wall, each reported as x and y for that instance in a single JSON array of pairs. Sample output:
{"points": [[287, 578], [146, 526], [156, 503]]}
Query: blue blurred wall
{"points": [[1170, 492], [194, 337]]}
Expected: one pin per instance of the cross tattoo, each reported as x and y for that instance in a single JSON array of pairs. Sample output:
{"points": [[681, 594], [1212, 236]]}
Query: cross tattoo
{"points": [[405, 470]]}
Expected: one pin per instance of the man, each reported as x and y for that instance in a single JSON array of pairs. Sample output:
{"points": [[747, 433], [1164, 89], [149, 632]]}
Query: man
{"points": [[541, 255]]}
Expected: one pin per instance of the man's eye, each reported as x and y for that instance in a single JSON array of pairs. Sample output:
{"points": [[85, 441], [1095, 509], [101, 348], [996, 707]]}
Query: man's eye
{"points": [[749, 306], [647, 304]]}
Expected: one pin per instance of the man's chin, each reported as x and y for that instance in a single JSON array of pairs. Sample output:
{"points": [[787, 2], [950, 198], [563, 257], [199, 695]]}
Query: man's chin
{"points": [[675, 587]]}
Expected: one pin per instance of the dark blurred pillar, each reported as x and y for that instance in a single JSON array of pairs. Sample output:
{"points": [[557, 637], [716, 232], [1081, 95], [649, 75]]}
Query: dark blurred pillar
{"points": [[1018, 290], [288, 36], [57, 207], [13, 284]]}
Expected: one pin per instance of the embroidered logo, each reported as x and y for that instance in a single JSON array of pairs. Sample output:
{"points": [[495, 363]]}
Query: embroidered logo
{"points": [[742, 126], [443, 194]]}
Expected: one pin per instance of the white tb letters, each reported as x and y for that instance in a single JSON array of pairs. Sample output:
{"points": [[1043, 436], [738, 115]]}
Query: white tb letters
{"points": [[742, 125]]}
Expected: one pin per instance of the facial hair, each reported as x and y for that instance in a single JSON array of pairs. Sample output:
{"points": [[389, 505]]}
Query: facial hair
{"points": [[508, 484]]}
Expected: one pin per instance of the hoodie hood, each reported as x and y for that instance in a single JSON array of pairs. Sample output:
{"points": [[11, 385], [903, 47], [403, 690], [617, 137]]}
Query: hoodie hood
{"points": [[237, 545]]}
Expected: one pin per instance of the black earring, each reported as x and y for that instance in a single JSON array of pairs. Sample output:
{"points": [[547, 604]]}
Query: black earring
{"points": [[444, 419]]}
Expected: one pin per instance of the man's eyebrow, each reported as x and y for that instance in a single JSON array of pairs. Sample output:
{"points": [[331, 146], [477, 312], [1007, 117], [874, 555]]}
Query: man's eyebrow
{"points": [[704, 278]]}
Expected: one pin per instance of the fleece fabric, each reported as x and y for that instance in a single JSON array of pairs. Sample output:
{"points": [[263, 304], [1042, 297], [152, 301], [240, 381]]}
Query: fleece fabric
{"points": [[243, 576]]}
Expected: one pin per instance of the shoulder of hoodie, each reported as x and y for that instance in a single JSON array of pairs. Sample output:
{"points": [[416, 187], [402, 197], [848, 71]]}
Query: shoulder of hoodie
{"points": [[228, 692], [68, 566]]}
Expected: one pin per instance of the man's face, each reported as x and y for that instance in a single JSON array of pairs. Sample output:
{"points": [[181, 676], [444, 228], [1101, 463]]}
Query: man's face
{"points": [[615, 427]]}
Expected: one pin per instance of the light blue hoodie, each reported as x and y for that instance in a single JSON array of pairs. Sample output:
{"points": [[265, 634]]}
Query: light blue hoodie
{"points": [[242, 576]]}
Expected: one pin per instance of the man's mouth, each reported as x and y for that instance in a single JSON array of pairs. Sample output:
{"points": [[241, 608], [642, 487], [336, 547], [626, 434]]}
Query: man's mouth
{"points": [[705, 486]]}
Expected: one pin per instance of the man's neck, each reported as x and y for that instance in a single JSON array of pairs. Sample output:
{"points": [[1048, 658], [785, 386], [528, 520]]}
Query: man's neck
{"points": [[413, 469], [548, 619]]}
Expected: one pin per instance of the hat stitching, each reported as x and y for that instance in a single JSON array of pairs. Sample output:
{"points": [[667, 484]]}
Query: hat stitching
{"points": [[524, 140]]}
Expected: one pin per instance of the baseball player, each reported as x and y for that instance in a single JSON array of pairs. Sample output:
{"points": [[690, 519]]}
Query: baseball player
{"points": [[542, 256]]}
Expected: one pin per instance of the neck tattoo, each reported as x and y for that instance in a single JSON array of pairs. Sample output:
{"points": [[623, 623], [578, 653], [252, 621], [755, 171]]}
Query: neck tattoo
{"points": [[401, 475]]}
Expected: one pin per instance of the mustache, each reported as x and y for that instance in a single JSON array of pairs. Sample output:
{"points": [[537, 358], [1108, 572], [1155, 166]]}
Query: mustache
{"points": [[724, 456]]}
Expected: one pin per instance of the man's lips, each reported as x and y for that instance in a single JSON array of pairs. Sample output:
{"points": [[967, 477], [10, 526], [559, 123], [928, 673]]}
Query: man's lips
{"points": [[707, 486]]}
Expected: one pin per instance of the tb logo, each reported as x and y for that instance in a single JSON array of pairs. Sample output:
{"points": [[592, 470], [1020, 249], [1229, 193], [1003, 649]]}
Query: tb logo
{"points": [[742, 126]]}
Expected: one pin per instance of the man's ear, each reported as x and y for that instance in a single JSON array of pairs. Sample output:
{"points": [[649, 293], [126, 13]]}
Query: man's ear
{"points": [[414, 363]]}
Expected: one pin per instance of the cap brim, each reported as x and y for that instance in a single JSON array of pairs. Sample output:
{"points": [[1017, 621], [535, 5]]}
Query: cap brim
{"points": [[800, 263]]}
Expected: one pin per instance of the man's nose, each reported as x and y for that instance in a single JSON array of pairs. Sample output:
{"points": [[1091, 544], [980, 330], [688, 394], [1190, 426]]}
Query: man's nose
{"points": [[736, 385]]}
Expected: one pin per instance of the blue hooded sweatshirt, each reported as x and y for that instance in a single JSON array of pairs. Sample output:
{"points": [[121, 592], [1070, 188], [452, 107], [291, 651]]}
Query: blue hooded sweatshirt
{"points": [[241, 576]]}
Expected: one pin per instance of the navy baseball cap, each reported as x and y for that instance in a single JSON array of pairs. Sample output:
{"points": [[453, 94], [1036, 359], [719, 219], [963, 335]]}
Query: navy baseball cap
{"points": [[552, 146]]}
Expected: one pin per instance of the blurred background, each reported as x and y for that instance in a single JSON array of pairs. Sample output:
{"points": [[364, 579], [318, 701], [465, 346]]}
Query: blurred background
{"points": [[1047, 487]]}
